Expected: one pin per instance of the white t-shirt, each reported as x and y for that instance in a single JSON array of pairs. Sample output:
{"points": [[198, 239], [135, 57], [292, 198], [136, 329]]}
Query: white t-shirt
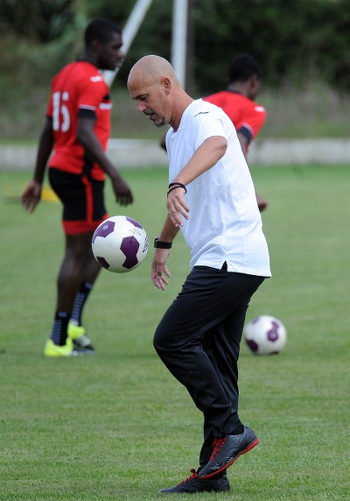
{"points": [[224, 220]]}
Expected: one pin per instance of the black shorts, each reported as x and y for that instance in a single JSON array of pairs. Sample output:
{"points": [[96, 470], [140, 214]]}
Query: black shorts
{"points": [[82, 199]]}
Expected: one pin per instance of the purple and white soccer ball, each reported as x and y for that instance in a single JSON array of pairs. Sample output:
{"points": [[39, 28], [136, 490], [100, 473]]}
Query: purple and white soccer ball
{"points": [[120, 244], [265, 335]]}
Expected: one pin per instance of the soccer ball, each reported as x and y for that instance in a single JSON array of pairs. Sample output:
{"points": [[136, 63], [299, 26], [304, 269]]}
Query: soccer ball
{"points": [[120, 244], [265, 335]]}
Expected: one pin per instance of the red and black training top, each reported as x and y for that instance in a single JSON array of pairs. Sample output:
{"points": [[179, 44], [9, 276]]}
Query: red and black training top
{"points": [[79, 89], [246, 115]]}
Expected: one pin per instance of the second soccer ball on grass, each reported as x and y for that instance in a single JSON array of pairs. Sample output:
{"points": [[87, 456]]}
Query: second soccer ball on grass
{"points": [[265, 335]]}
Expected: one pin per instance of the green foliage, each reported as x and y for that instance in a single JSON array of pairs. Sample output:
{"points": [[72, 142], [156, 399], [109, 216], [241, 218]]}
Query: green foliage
{"points": [[38, 20], [301, 45], [117, 426], [38, 38], [294, 39]]}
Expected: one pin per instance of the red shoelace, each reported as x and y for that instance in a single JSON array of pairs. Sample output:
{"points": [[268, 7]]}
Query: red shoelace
{"points": [[217, 444], [191, 477]]}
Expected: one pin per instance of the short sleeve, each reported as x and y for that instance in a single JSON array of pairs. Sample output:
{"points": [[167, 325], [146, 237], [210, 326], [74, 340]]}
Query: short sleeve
{"points": [[92, 94], [209, 125], [251, 121]]}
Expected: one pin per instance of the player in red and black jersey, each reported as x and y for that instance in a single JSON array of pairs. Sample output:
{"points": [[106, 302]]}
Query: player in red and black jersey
{"points": [[73, 144], [238, 102]]}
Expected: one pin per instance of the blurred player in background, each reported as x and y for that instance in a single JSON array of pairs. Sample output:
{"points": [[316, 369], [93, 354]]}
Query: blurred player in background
{"points": [[73, 144], [238, 102]]}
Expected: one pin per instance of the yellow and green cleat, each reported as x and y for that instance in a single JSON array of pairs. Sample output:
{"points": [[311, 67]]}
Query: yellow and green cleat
{"points": [[53, 350]]}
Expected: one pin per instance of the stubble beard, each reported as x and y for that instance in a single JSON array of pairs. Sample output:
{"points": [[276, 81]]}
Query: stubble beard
{"points": [[159, 123]]}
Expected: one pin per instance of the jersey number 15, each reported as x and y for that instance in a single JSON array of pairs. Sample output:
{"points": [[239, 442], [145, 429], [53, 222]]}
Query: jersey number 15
{"points": [[60, 118]]}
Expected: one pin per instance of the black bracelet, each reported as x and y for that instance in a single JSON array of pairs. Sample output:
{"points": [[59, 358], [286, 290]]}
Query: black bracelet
{"points": [[173, 186], [159, 244]]}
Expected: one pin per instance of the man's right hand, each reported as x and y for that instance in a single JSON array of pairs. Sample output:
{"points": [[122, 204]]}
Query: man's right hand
{"points": [[31, 196]]}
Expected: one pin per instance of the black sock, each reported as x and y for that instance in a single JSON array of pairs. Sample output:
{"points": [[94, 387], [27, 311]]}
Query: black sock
{"points": [[59, 328], [238, 430], [79, 302]]}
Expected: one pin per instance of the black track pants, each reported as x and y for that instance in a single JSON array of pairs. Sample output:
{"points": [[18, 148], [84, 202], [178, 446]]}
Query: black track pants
{"points": [[198, 340]]}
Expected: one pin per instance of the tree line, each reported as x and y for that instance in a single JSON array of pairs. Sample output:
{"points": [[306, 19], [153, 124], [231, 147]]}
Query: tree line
{"points": [[293, 40]]}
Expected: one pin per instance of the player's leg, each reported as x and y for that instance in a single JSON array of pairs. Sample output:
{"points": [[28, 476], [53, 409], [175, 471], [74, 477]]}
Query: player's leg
{"points": [[68, 280], [72, 269], [87, 279], [83, 210], [95, 214], [178, 341], [89, 276], [222, 345], [78, 267], [95, 192], [207, 299]]}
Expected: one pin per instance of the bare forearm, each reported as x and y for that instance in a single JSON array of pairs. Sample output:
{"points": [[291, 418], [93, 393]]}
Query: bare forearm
{"points": [[169, 231], [95, 152], [244, 143], [43, 153]]}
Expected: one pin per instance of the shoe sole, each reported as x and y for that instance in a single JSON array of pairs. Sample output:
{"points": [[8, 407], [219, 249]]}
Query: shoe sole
{"points": [[229, 463], [164, 491], [60, 355]]}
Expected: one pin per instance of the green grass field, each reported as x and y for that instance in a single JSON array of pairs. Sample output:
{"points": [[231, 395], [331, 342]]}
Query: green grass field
{"points": [[117, 426]]}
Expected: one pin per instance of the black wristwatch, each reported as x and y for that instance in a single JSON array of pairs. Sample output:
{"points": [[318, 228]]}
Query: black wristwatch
{"points": [[158, 244]]}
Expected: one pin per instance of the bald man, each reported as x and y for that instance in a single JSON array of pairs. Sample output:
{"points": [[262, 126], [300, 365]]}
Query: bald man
{"points": [[211, 199]]}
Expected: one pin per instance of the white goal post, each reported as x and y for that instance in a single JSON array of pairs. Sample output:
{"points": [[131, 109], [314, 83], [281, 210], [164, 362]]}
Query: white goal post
{"points": [[179, 36], [179, 39]]}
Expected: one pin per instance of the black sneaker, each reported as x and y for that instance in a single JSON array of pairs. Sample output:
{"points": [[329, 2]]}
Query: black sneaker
{"points": [[81, 342], [226, 450], [194, 483], [83, 348]]}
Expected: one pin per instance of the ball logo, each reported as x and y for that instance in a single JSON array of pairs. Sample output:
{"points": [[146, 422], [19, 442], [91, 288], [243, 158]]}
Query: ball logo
{"points": [[146, 246]]}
